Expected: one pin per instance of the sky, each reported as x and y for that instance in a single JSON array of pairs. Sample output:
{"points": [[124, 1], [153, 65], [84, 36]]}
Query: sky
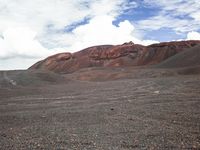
{"points": [[31, 30]]}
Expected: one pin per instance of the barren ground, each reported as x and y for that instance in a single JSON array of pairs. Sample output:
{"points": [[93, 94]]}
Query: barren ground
{"points": [[146, 113]]}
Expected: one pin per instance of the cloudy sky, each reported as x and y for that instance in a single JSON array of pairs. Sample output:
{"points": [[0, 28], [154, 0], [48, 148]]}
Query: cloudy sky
{"points": [[31, 30]]}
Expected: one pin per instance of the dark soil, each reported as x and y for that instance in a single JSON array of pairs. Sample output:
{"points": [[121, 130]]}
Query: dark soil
{"points": [[152, 112]]}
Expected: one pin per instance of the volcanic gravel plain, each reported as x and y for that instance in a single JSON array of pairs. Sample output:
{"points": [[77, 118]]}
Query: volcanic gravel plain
{"points": [[112, 109]]}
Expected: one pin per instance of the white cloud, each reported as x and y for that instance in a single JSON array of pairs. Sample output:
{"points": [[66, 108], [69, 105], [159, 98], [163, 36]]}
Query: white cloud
{"points": [[100, 30], [19, 48], [17, 63], [21, 42], [193, 36], [158, 22], [38, 14], [181, 16]]}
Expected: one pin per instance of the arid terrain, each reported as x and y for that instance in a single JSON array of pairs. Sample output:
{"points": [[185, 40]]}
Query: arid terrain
{"points": [[152, 103]]}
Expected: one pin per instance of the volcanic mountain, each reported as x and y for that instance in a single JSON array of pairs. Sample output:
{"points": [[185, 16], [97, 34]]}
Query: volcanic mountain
{"points": [[127, 54]]}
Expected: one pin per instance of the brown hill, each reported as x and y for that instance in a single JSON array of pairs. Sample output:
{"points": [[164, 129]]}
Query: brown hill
{"points": [[127, 54]]}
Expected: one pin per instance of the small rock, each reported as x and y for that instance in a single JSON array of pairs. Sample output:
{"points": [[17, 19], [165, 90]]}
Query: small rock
{"points": [[156, 92]]}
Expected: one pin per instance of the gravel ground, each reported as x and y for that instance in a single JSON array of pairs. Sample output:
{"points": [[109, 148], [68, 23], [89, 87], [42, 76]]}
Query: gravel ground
{"points": [[148, 113]]}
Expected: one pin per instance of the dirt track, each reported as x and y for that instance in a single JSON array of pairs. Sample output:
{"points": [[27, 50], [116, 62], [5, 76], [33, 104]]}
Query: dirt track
{"points": [[151, 113]]}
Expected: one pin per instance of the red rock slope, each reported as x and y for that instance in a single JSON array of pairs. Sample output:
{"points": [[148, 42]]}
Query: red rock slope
{"points": [[127, 54]]}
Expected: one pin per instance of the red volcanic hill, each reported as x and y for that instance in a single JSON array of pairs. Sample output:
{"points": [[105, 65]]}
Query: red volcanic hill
{"points": [[127, 54]]}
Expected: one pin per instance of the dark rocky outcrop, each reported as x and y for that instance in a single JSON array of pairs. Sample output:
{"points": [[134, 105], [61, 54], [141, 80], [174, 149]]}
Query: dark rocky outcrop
{"points": [[187, 58]]}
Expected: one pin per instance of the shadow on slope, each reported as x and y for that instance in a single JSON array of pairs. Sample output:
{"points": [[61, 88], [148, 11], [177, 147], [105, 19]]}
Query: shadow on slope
{"points": [[187, 58], [186, 62]]}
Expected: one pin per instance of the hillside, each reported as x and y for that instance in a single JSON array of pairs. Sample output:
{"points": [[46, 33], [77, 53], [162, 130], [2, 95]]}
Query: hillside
{"points": [[127, 54], [187, 58]]}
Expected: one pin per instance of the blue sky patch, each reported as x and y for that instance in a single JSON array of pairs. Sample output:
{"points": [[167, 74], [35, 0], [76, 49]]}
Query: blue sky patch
{"points": [[137, 14], [73, 26], [163, 35]]}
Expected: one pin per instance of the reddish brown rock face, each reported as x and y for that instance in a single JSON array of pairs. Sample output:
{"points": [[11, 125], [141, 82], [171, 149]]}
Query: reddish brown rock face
{"points": [[127, 54]]}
